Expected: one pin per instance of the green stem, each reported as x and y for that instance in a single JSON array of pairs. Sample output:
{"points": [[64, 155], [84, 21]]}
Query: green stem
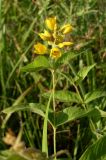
{"points": [[53, 90], [54, 129], [54, 140]]}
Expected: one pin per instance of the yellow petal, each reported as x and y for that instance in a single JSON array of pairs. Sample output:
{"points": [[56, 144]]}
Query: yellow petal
{"points": [[61, 45], [66, 28], [46, 36], [42, 36], [51, 23], [40, 48], [55, 53], [47, 33]]}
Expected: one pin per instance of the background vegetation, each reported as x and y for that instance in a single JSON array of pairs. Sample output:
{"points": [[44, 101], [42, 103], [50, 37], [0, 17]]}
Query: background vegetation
{"points": [[20, 21]]}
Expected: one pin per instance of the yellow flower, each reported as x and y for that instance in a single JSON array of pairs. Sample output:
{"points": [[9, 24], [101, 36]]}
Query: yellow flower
{"points": [[51, 23], [66, 28], [63, 44], [55, 53], [40, 48], [46, 36]]}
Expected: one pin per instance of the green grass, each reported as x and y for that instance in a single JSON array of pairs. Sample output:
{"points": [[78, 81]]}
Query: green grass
{"points": [[20, 23]]}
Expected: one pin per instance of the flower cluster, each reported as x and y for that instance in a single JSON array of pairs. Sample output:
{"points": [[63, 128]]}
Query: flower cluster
{"points": [[54, 37]]}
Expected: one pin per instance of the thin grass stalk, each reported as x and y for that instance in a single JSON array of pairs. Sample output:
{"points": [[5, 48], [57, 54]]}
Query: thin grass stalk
{"points": [[44, 137], [1, 55]]}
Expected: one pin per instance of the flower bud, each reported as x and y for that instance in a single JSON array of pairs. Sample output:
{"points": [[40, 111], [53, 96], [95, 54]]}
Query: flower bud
{"points": [[46, 36], [61, 45], [66, 29], [51, 23]]}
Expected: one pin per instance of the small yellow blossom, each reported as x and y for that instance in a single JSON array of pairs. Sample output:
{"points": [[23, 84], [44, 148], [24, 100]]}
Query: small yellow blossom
{"points": [[51, 23], [40, 48], [55, 53], [63, 44], [46, 36], [66, 28]]}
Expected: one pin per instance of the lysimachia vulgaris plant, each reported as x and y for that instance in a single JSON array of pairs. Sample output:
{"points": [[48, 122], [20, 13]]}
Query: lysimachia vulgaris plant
{"points": [[54, 38]]}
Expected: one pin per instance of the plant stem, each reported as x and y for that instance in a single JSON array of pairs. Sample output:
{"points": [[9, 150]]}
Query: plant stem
{"points": [[54, 129], [53, 89], [54, 140]]}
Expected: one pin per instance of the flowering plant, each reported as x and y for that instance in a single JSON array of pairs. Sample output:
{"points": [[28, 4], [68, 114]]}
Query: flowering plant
{"points": [[54, 38]]}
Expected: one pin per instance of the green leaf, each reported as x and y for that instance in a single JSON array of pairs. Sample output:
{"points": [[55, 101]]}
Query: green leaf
{"points": [[69, 114], [83, 73], [65, 58], [96, 151], [65, 96], [94, 95], [34, 107], [37, 108], [39, 63]]}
